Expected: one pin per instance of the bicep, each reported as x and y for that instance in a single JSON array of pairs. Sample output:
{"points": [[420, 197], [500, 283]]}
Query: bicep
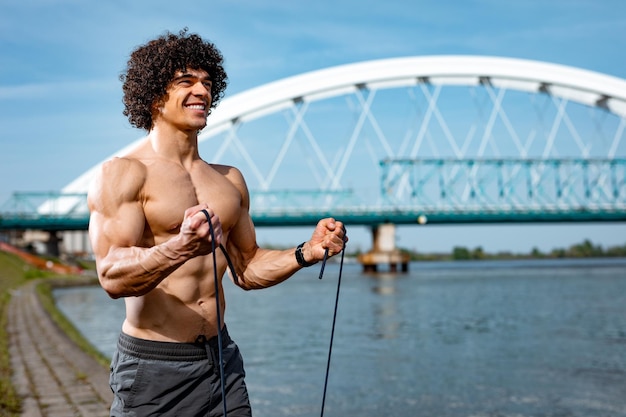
{"points": [[241, 241], [121, 227]]}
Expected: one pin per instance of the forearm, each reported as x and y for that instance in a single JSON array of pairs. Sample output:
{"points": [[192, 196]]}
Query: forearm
{"points": [[261, 268], [135, 271], [268, 268]]}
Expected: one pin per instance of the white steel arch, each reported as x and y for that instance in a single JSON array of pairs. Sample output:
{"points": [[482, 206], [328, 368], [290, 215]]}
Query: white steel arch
{"points": [[572, 84], [586, 87]]}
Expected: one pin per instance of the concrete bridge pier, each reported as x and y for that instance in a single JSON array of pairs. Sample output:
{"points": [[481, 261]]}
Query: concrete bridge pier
{"points": [[53, 244], [384, 251]]}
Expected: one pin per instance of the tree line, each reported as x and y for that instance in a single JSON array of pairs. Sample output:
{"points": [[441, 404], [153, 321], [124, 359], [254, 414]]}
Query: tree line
{"points": [[586, 249]]}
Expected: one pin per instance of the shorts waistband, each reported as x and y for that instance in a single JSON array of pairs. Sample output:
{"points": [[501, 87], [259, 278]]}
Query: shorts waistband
{"points": [[170, 351]]}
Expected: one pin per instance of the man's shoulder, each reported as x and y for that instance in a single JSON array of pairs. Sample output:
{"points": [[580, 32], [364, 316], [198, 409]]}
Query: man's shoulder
{"points": [[232, 173], [122, 165], [119, 178], [221, 168]]}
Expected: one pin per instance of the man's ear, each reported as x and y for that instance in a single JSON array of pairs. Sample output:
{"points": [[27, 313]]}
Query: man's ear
{"points": [[156, 108]]}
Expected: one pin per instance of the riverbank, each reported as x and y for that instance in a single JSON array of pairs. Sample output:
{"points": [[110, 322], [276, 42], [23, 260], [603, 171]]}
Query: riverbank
{"points": [[434, 334], [52, 376], [46, 368]]}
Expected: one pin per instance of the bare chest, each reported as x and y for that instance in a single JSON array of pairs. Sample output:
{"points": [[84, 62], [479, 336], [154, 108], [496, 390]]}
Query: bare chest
{"points": [[169, 192]]}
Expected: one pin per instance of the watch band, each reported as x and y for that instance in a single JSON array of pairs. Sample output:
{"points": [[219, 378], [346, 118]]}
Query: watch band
{"points": [[300, 257]]}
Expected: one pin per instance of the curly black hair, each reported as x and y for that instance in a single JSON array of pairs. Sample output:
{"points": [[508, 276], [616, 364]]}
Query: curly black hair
{"points": [[152, 66]]}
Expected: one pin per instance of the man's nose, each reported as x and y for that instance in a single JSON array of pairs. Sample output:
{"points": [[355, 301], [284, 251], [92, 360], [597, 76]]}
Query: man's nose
{"points": [[200, 89]]}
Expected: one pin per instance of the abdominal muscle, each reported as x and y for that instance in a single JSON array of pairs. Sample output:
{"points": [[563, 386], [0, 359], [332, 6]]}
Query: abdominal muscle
{"points": [[181, 308]]}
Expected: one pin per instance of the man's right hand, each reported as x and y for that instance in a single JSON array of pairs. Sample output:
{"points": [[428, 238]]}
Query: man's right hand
{"points": [[195, 230]]}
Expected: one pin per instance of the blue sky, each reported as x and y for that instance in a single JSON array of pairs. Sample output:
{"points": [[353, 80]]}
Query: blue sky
{"points": [[60, 97]]}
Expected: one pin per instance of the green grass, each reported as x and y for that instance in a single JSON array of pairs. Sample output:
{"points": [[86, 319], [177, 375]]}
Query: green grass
{"points": [[44, 291], [13, 273]]}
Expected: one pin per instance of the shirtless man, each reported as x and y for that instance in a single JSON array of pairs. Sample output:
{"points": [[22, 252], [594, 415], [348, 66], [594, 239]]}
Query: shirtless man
{"points": [[150, 234]]}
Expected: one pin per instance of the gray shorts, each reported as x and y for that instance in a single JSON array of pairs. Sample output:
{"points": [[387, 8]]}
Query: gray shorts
{"points": [[151, 378]]}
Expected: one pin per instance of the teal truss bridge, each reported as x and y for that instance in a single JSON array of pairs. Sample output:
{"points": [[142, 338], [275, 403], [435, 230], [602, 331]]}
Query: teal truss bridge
{"points": [[507, 190], [414, 140], [435, 191]]}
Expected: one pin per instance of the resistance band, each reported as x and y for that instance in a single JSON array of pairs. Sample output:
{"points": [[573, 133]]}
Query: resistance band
{"points": [[219, 313], [217, 304], [332, 332]]}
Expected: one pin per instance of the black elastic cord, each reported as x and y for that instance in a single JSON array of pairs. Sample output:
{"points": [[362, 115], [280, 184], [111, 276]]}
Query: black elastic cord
{"points": [[217, 303], [230, 264], [332, 332], [324, 263]]}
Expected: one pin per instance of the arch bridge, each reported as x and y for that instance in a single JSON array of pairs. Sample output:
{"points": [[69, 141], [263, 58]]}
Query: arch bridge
{"points": [[432, 139]]}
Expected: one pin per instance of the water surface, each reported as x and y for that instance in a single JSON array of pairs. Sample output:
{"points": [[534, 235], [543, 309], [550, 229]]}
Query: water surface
{"points": [[497, 338]]}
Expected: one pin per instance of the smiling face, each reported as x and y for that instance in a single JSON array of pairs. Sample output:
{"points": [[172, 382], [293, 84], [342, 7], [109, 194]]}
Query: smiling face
{"points": [[187, 101]]}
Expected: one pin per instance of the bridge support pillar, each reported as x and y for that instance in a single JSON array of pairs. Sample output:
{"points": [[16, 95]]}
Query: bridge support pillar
{"points": [[53, 243], [384, 251]]}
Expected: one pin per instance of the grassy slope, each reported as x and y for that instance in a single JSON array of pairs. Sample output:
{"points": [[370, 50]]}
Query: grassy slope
{"points": [[44, 291], [13, 273]]}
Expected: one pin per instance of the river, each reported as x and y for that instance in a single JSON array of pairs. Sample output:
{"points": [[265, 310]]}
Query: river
{"points": [[448, 339]]}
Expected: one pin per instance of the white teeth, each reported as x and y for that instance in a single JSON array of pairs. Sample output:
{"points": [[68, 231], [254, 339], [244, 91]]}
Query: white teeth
{"points": [[196, 107]]}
